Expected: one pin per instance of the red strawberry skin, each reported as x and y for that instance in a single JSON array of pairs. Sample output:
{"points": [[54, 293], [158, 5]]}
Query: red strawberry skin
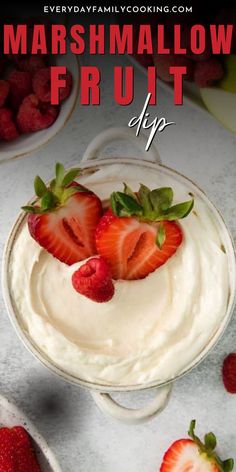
{"points": [[26, 459], [68, 231], [229, 372], [7, 454], [93, 280], [183, 456], [16, 452], [129, 245]]}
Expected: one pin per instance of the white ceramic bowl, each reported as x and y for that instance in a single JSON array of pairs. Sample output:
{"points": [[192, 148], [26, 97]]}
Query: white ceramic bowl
{"points": [[11, 415], [101, 391], [27, 143]]}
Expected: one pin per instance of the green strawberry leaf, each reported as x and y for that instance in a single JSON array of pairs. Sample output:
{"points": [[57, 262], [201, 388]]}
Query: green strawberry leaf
{"points": [[144, 197], [129, 191], [39, 186], [161, 236], [228, 465], [210, 441], [115, 205], [191, 433], [30, 209], [70, 176], [161, 199], [60, 172], [181, 210], [208, 449], [128, 205], [68, 192], [48, 201]]}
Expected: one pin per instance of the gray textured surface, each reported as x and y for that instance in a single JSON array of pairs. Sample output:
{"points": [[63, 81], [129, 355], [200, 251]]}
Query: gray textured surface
{"points": [[82, 438]]}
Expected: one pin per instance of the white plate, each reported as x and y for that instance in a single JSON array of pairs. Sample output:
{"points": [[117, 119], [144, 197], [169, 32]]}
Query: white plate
{"points": [[27, 143], [11, 416]]}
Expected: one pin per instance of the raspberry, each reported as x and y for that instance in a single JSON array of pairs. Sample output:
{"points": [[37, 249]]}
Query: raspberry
{"points": [[208, 72], [4, 90], [42, 85], [229, 372], [93, 280], [8, 130], [20, 86], [34, 115], [2, 65], [185, 43], [145, 60], [30, 63], [164, 61]]}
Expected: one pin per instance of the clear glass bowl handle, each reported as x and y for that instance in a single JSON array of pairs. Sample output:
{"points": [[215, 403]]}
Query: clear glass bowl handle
{"points": [[133, 416], [124, 134]]}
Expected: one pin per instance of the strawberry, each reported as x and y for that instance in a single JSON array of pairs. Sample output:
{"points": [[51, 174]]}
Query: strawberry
{"points": [[26, 460], [64, 217], [7, 456], [192, 455], [139, 233], [93, 280], [229, 372], [16, 452]]}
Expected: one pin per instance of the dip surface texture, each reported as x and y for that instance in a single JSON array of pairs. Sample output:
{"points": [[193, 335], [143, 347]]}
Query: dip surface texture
{"points": [[152, 328]]}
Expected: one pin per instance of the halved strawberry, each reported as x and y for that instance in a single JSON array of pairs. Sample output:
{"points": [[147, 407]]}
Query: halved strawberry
{"points": [[129, 245], [136, 237], [64, 218], [192, 455]]}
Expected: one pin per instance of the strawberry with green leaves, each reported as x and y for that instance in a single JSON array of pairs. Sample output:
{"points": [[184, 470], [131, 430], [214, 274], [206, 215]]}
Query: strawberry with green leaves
{"points": [[140, 232], [193, 455], [64, 216]]}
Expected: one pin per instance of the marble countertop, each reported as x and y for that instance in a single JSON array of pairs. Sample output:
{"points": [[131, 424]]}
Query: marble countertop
{"points": [[80, 435]]}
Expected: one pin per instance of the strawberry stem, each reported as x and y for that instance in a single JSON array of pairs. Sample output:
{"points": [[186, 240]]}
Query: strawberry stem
{"points": [[208, 448], [56, 193], [149, 205]]}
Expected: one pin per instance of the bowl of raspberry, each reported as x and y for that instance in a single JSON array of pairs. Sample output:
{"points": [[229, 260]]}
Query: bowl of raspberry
{"points": [[28, 120]]}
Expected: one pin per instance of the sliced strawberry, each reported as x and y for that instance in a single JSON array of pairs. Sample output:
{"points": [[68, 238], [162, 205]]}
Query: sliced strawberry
{"points": [[64, 223], [129, 245], [183, 456], [192, 455]]}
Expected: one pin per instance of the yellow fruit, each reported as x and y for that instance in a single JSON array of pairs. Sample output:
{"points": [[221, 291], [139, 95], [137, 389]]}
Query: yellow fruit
{"points": [[228, 82], [221, 104]]}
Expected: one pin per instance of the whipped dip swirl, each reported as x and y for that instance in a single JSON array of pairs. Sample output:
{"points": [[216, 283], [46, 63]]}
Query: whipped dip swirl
{"points": [[153, 328]]}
